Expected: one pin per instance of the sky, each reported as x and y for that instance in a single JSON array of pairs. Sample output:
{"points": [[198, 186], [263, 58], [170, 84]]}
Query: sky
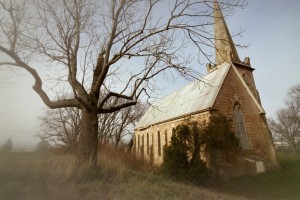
{"points": [[272, 28]]}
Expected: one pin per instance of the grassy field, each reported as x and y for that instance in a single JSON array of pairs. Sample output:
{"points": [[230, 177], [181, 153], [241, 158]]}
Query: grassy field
{"points": [[283, 184], [39, 176]]}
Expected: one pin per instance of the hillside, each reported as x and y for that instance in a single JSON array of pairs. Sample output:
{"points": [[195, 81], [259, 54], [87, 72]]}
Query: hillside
{"points": [[47, 176]]}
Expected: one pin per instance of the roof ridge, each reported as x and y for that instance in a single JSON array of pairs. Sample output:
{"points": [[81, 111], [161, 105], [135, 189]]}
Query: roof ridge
{"points": [[196, 80], [193, 97]]}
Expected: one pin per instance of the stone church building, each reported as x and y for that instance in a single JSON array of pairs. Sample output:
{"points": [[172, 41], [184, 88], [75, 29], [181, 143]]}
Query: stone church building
{"points": [[228, 88]]}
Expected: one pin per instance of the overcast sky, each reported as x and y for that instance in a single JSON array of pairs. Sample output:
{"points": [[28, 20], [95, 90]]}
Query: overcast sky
{"points": [[271, 26]]}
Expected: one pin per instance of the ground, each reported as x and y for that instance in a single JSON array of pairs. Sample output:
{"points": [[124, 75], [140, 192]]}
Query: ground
{"points": [[47, 176], [283, 184]]}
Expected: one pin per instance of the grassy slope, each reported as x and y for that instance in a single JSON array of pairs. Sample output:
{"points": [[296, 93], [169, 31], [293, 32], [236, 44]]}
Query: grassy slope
{"points": [[283, 184], [36, 176]]}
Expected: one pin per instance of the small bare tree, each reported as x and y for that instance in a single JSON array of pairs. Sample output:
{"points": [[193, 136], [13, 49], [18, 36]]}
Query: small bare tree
{"points": [[286, 125], [117, 46], [126, 120], [61, 126]]}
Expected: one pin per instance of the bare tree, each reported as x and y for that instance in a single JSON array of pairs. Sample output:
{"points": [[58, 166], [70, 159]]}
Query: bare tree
{"points": [[286, 125], [125, 121], [113, 127], [293, 99], [61, 126], [119, 46]]}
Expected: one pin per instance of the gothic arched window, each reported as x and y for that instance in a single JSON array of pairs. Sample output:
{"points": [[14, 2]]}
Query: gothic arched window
{"points": [[148, 152], [173, 132], [143, 144], [166, 138], [139, 144], [159, 143], [240, 127]]}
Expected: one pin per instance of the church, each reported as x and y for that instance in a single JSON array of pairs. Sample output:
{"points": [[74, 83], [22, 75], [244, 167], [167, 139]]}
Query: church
{"points": [[228, 89]]}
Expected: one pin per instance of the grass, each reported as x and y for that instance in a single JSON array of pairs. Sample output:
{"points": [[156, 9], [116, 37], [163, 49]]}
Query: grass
{"points": [[283, 184], [41, 176], [47, 176]]}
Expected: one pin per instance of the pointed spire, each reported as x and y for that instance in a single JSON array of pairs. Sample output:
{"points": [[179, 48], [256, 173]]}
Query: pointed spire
{"points": [[225, 48]]}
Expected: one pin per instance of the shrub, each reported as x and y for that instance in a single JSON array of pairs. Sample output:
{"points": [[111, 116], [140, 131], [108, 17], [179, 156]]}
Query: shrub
{"points": [[175, 159], [43, 146], [218, 137], [182, 157], [198, 172]]}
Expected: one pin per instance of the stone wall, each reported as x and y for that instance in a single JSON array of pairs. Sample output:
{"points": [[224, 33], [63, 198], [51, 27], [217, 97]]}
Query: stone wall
{"points": [[232, 92], [152, 151]]}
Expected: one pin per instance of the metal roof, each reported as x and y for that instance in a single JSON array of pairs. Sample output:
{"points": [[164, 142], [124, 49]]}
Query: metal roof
{"points": [[196, 96]]}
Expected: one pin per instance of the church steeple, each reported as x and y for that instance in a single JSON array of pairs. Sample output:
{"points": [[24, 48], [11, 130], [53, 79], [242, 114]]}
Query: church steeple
{"points": [[225, 49]]}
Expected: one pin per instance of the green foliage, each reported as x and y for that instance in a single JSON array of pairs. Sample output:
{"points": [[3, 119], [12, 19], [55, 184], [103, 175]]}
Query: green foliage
{"points": [[177, 162], [198, 172], [219, 139], [182, 157], [218, 136], [7, 146], [175, 157]]}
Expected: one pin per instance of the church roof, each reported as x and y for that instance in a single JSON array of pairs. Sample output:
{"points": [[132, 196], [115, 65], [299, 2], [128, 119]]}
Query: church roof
{"points": [[196, 96]]}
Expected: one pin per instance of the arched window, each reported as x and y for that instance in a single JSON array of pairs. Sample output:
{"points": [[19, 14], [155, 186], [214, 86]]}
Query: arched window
{"points": [[166, 138], [240, 127], [134, 142], [143, 144], [139, 144], [159, 143], [148, 144], [173, 132]]}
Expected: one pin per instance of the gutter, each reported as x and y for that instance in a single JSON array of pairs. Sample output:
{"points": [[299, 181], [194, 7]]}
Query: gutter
{"points": [[175, 118]]}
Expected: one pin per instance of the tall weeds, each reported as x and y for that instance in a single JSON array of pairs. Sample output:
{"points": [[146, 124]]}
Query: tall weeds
{"points": [[34, 176]]}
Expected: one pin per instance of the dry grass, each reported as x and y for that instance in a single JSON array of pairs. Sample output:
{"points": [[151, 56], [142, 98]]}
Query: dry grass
{"points": [[45, 176]]}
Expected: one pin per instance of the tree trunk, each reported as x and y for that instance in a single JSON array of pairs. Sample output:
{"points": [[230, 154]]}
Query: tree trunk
{"points": [[88, 139], [118, 138], [293, 145]]}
